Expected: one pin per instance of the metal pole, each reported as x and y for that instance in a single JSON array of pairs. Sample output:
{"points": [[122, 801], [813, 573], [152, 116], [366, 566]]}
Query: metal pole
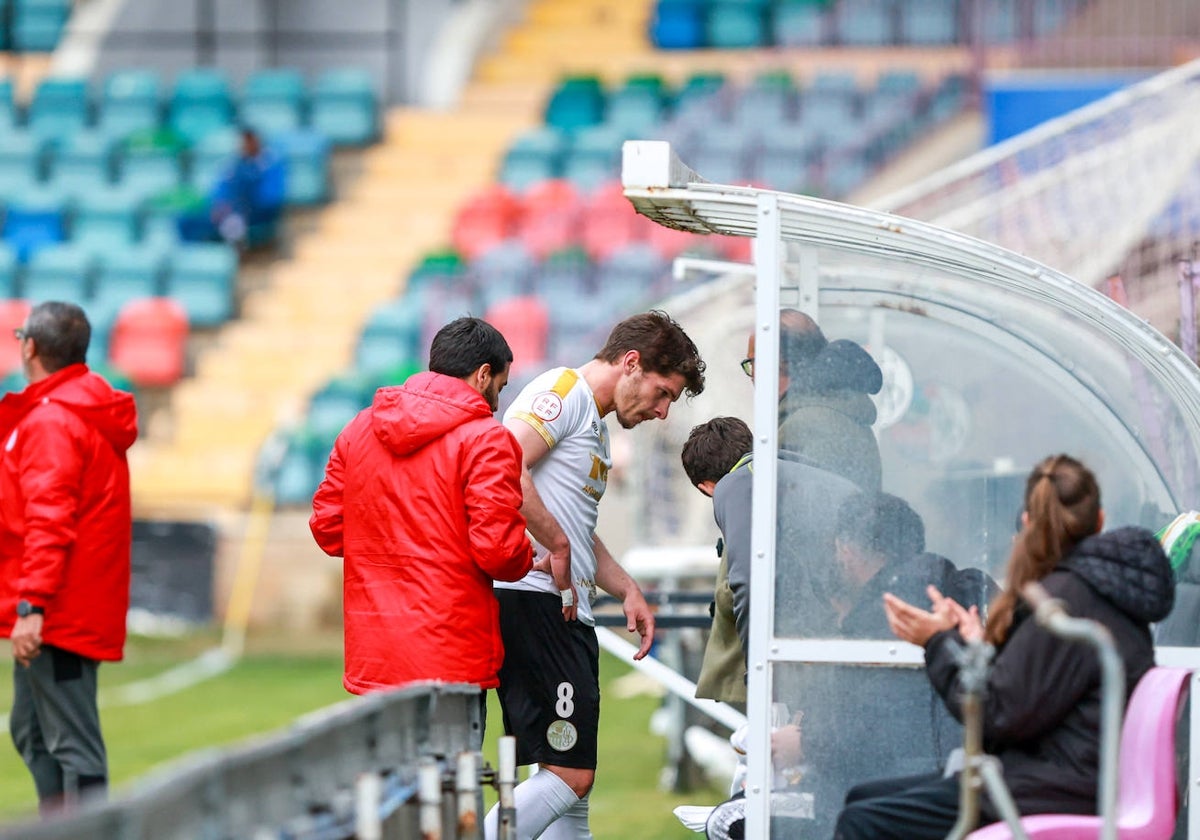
{"points": [[467, 786], [368, 793], [1187, 308], [430, 781], [506, 782]]}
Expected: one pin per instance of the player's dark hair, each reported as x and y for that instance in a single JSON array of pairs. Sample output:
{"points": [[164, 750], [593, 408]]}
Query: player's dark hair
{"points": [[663, 346], [465, 344], [714, 448]]}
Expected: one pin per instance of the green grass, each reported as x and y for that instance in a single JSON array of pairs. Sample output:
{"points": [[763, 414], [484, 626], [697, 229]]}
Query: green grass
{"points": [[267, 691]]}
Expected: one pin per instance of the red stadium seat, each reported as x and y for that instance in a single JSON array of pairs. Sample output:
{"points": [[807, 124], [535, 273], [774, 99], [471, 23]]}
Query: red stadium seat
{"points": [[486, 220], [12, 316], [525, 324], [149, 341], [609, 223]]}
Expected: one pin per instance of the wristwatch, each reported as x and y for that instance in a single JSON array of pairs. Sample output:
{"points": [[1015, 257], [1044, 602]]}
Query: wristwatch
{"points": [[24, 608]]}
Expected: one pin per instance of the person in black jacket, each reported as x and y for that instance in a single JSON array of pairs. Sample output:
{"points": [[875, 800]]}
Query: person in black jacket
{"points": [[1041, 709]]}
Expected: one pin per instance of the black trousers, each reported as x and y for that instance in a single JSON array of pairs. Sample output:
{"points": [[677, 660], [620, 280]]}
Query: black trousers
{"points": [[909, 808]]}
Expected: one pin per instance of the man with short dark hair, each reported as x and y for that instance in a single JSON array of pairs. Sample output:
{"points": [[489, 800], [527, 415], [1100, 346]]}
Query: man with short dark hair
{"points": [[549, 685], [422, 498], [65, 534]]}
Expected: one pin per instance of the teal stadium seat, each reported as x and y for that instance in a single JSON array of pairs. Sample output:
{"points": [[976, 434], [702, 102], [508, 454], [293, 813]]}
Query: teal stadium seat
{"points": [[60, 108], [336, 403], [533, 157], [678, 24], [864, 23], [929, 22], [577, 102], [59, 272], [130, 101], [393, 335], [211, 155], [8, 275], [300, 470], [273, 101], [637, 107], [201, 102], [306, 155], [150, 169], [800, 23], [8, 107], [106, 221], [82, 165], [594, 157], [344, 107], [127, 274], [737, 24], [37, 25], [22, 160], [201, 277]]}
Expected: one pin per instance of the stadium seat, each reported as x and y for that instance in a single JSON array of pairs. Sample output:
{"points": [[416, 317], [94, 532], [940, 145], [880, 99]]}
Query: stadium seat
{"points": [[124, 275], [201, 277], [58, 272], [130, 101], [8, 107], [785, 161], [22, 158], [799, 23], [767, 104], [13, 313], [864, 23], [34, 221], [502, 271], [37, 25], [149, 342], [273, 101], [627, 278], [525, 324], [593, 157], [533, 157], [8, 274], [336, 403], [106, 221], [928, 22], [150, 168], [438, 268], [344, 107], [300, 470], [551, 217], [637, 108], [306, 154], [60, 108], [678, 24], [392, 336], [577, 102], [736, 24], [82, 164], [201, 102], [608, 223]]}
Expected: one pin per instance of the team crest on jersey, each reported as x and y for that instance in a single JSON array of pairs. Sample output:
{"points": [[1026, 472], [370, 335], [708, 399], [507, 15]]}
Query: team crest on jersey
{"points": [[546, 406], [562, 735]]}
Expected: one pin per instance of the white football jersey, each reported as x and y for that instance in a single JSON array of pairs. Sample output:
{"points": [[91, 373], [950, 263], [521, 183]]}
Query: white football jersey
{"points": [[571, 477]]}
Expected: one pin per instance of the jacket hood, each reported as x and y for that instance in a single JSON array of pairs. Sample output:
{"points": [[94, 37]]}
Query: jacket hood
{"points": [[856, 406], [112, 413], [423, 409], [1129, 568], [841, 365]]}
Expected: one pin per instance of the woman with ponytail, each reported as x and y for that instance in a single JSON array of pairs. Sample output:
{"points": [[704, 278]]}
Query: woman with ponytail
{"points": [[1041, 707]]}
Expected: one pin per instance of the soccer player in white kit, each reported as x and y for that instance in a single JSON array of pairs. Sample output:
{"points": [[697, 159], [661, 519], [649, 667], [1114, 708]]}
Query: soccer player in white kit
{"points": [[549, 683]]}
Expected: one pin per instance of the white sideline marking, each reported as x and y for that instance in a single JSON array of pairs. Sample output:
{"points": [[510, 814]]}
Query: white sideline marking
{"points": [[211, 663]]}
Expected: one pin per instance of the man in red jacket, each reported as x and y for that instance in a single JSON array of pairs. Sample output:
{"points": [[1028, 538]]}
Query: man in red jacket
{"points": [[422, 499], [65, 532]]}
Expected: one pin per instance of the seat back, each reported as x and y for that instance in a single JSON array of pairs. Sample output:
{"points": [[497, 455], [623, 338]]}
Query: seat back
{"points": [[1147, 803]]}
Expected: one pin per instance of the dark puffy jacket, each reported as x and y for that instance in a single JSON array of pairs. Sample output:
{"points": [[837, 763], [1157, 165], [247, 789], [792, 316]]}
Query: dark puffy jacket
{"points": [[65, 520], [422, 497], [1042, 706]]}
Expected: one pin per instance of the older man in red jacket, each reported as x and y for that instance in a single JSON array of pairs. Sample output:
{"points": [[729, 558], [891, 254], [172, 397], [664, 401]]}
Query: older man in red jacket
{"points": [[65, 527], [422, 498]]}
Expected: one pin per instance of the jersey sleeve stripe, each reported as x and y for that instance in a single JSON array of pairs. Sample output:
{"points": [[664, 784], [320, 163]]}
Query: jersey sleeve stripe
{"points": [[538, 426]]}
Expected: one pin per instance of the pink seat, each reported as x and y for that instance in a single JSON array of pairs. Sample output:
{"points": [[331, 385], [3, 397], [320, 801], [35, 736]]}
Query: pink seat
{"points": [[1146, 796]]}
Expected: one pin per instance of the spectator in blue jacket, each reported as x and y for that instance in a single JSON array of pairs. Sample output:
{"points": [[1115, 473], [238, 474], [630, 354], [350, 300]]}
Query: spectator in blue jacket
{"points": [[248, 198]]}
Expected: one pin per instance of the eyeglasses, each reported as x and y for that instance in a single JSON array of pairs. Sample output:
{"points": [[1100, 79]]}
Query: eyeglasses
{"points": [[748, 366]]}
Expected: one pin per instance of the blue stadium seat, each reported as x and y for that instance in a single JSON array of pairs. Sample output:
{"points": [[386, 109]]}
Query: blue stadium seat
{"points": [[37, 25], [34, 220], [201, 277], [344, 107], [768, 103], [8, 271], [503, 271], [725, 152], [201, 102], [630, 276], [273, 101], [130, 101], [678, 24], [58, 272], [306, 154], [60, 108]]}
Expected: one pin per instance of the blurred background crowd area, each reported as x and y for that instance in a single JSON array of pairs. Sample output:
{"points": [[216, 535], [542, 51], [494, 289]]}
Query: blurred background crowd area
{"points": [[443, 157]]}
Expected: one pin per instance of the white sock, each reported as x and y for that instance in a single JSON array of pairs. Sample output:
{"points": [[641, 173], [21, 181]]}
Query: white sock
{"points": [[573, 825], [540, 800]]}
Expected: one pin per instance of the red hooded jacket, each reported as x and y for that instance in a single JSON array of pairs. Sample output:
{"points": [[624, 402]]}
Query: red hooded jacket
{"points": [[422, 498], [65, 520]]}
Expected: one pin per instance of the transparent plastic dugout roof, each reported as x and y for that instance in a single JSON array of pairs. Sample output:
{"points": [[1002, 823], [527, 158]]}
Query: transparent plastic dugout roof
{"points": [[990, 362]]}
